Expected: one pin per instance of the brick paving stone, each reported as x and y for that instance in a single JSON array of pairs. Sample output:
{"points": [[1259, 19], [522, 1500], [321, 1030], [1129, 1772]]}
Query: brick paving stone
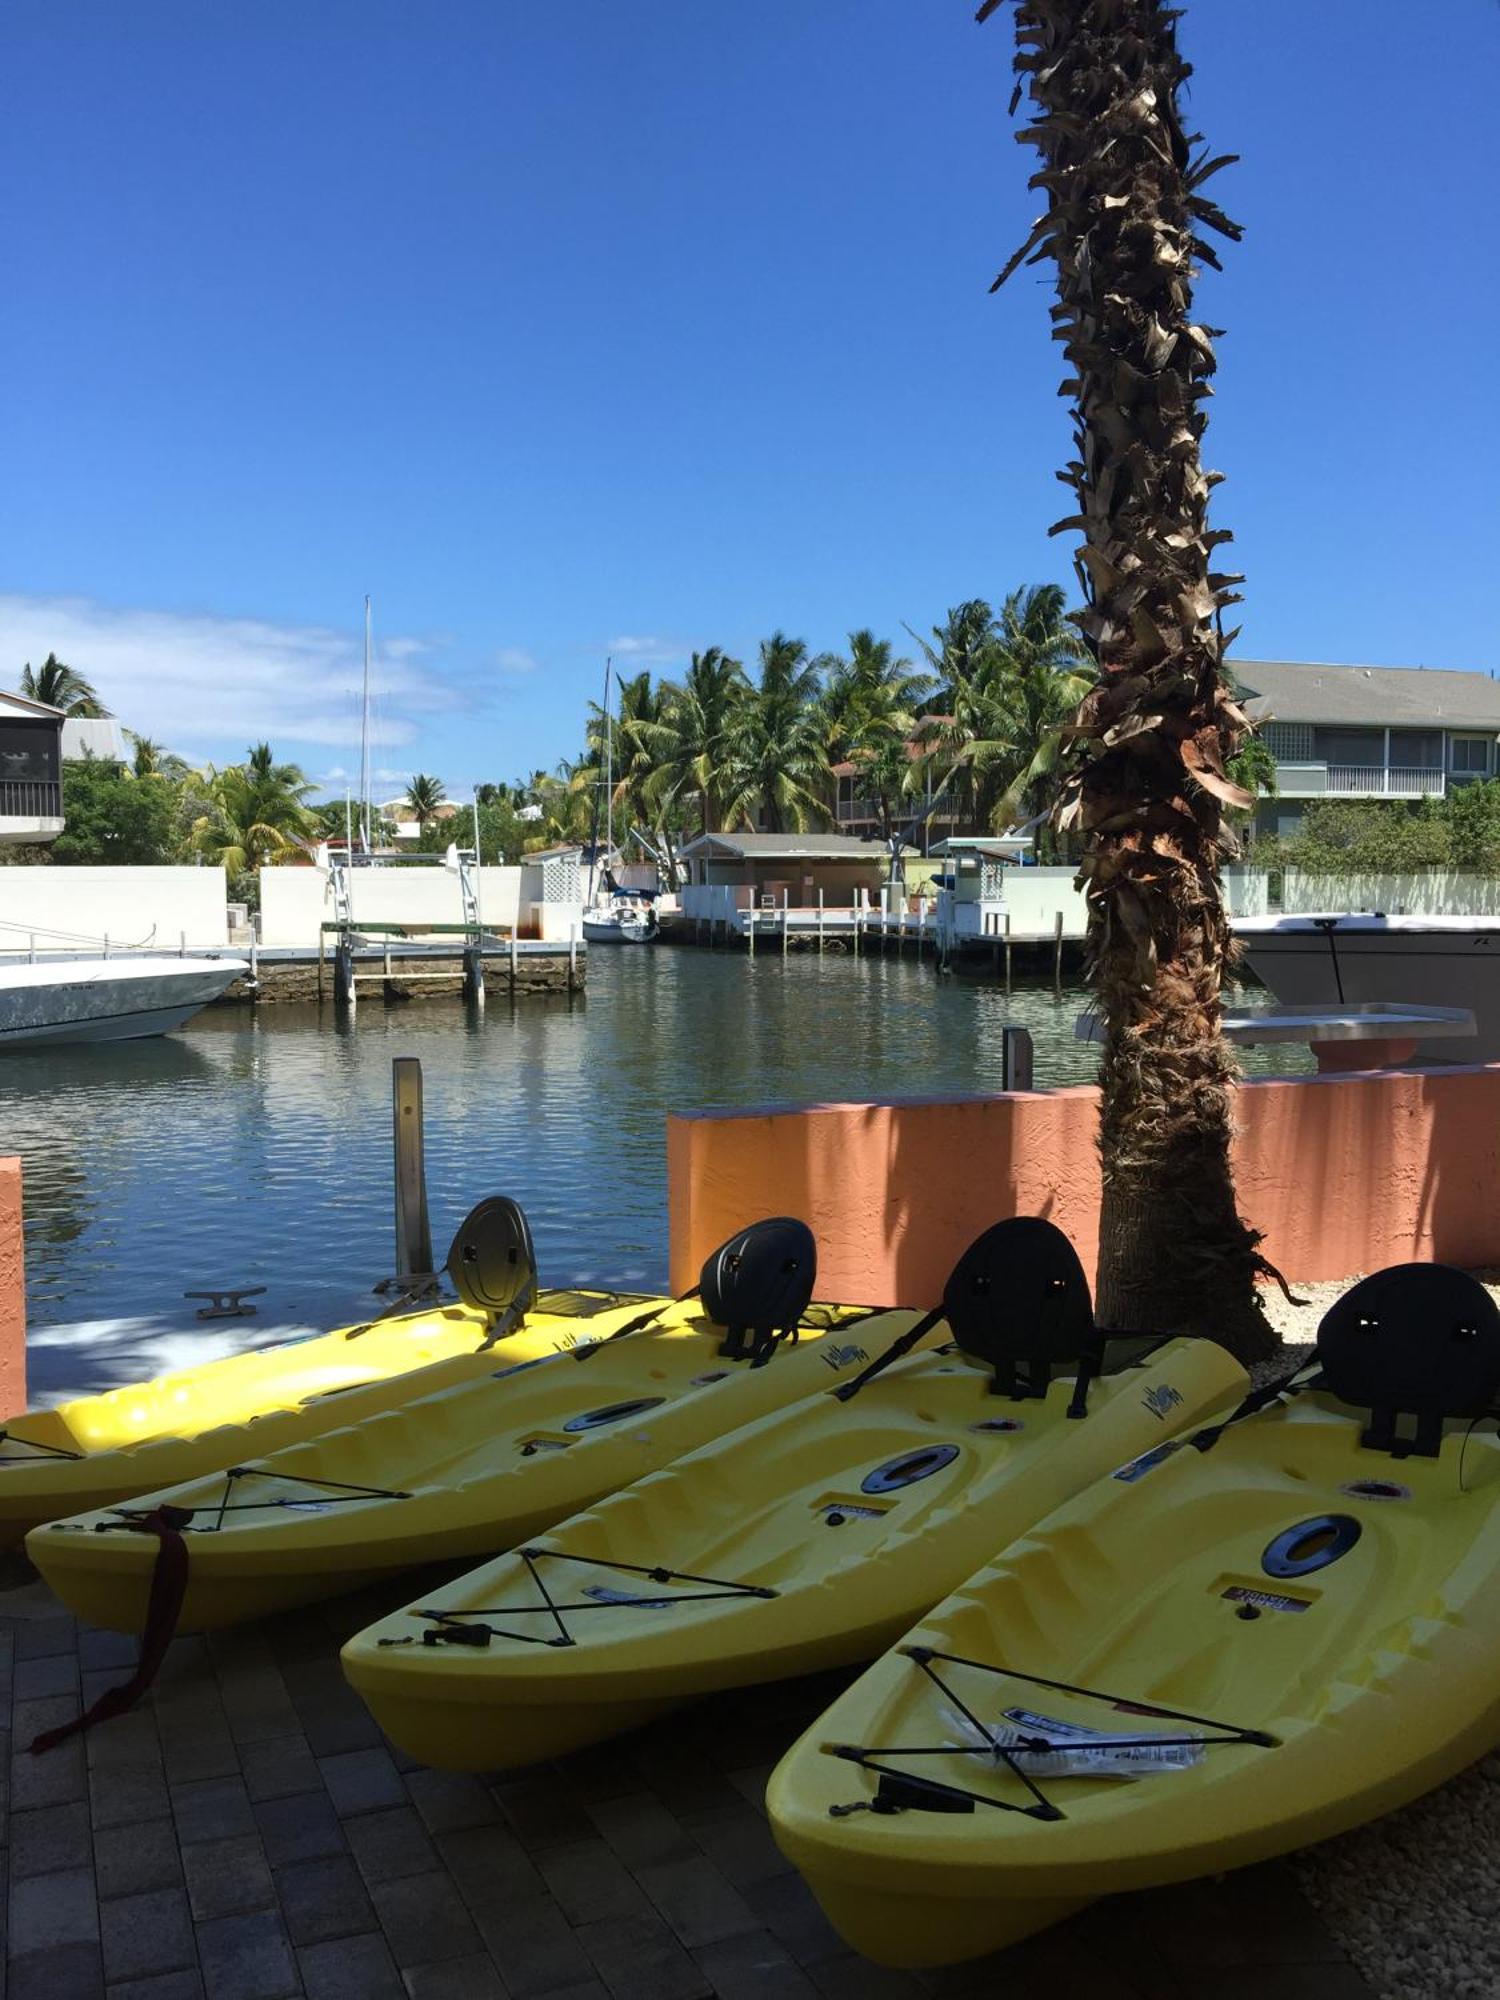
{"points": [[448, 1800], [126, 1740], [226, 1877], [145, 1934], [55, 1777], [120, 1795], [337, 1723], [37, 1638], [47, 1910], [64, 1972], [362, 1781], [1316, 1980], [686, 1784], [185, 1985], [48, 1837], [205, 1749], [487, 1862], [696, 1901], [739, 1843], [54, 1673], [639, 1959], [424, 1919], [753, 1966], [786, 1906], [541, 1814], [854, 1978], [128, 1859], [98, 1648], [641, 1830], [323, 1899], [390, 1844], [456, 1979], [279, 1766], [247, 1958], [531, 1938], [304, 1827], [356, 1968], [590, 1883], [212, 1809]]}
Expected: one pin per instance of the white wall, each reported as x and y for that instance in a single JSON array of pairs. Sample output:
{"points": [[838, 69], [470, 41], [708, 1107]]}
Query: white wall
{"points": [[294, 902], [130, 906], [1033, 897], [1433, 892]]}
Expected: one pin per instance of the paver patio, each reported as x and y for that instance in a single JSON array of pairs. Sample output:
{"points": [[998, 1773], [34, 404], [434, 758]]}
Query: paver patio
{"points": [[248, 1834]]}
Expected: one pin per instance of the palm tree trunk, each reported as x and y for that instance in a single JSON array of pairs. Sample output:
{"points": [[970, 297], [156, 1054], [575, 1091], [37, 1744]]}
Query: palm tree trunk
{"points": [[1147, 783]]}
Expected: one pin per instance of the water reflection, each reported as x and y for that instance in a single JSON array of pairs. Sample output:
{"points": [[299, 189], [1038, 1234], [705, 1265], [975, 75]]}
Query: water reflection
{"points": [[257, 1151]]}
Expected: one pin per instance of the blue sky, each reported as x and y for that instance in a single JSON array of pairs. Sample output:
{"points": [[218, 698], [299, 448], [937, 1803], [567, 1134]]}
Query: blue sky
{"points": [[647, 324]]}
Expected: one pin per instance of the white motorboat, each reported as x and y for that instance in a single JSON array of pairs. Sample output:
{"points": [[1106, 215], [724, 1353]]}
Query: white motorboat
{"points": [[627, 920], [1344, 959], [107, 999]]}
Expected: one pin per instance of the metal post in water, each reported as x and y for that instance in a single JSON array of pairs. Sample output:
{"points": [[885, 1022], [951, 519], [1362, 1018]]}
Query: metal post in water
{"points": [[820, 923], [1015, 1059], [1007, 951], [413, 1231], [1057, 956]]}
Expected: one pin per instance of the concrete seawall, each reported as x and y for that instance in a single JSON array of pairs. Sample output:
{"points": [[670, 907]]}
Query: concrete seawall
{"points": [[1343, 1173]]}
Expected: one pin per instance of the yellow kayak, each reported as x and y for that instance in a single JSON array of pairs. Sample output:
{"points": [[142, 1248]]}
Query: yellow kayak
{"points": [[129, 1441], [810, 1539], [459, 1473], [1213, 1657]]}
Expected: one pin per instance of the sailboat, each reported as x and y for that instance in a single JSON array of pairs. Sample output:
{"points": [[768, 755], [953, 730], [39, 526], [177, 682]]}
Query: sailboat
{"points": [[613, 915]]}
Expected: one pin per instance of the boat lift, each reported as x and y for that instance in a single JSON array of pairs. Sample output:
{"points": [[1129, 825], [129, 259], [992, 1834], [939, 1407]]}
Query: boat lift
{"points": [[348, 932]]}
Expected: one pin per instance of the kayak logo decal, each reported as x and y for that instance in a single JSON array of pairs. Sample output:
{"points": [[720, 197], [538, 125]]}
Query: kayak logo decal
{"points": [[840, 1357], [1161, 1399]]}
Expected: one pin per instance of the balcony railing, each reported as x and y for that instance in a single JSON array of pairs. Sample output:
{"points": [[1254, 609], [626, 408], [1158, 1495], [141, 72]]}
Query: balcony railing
{"points": [[1388, 781], [30, 798]]}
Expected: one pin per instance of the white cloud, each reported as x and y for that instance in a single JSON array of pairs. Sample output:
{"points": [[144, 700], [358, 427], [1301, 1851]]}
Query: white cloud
{"points": [[645, 649], [512, 660], [207, 685]]}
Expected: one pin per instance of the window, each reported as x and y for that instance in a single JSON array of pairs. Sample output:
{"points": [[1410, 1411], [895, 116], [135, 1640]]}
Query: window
{"points": [[1289, 742], [1417, 749], [1472, 754], [1364, 749], [29, 750]]}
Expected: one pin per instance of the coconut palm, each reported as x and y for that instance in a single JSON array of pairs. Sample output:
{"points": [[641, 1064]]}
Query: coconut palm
{"points": [[424, 794], [869, 698], [1145, 781], [147, 755], [257, 813], [688, 743], [775, 759], [61, 686]]}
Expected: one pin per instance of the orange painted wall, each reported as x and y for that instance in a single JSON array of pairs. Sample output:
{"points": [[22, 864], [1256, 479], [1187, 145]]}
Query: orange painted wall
{"points": [[1344, 1173], [12, 1292]]}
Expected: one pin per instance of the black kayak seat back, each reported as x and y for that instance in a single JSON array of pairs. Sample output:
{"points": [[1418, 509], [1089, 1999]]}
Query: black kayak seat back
{"points": [[758, 1285], [1018, 1300], [492, 1260], [1416, 1340]]}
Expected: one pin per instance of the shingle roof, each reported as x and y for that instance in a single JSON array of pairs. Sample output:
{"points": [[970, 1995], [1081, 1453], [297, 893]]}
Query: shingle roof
{"points": [[1297, 691], [788, 846]]}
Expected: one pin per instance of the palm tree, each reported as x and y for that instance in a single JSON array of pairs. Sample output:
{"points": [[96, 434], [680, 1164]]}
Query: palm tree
{"points": [[257, 813], [775, 758], [869, 698], [424, 794], [1145, 780], [1047, 670], [688, 743], [61, 686], [146, 756]]}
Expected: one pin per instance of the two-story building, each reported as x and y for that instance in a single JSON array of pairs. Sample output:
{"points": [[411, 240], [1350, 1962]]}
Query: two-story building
{"points": [[1367, 732], [31, 751]]}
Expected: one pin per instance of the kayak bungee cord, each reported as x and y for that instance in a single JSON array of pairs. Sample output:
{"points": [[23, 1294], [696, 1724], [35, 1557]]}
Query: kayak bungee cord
{"points": [[466, 1628], [901, 1791]]}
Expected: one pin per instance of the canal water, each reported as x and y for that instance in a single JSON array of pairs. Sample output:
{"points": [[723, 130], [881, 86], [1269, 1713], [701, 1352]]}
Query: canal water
{"points": [[256, 1151]]}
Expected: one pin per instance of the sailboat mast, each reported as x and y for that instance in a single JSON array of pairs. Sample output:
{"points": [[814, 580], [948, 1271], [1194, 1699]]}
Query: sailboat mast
{"points": [[594, 831], [364, 738], [609, 774]]}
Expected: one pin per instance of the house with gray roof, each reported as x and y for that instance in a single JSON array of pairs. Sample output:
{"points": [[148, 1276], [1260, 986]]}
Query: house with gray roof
{"points": [[31, 738], [1401, 733], [790, 870]]}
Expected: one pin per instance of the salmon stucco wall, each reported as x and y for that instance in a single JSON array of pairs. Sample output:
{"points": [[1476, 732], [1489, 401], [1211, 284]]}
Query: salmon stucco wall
{"points": [[12, 1292], [1343, 1173]]}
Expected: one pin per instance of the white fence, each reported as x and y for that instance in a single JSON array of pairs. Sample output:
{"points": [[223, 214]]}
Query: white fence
{"points": [[295, 902], [75, 909], [1433, 892]]}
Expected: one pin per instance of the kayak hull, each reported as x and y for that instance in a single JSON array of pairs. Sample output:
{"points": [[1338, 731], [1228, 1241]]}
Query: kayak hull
{"points": [[499, 1456], [807, 1540], [95, 1450], [1293, 1633]]}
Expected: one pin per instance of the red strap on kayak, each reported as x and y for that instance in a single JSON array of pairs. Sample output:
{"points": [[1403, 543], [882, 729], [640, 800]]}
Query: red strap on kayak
{"points": [[169, 1578]]}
